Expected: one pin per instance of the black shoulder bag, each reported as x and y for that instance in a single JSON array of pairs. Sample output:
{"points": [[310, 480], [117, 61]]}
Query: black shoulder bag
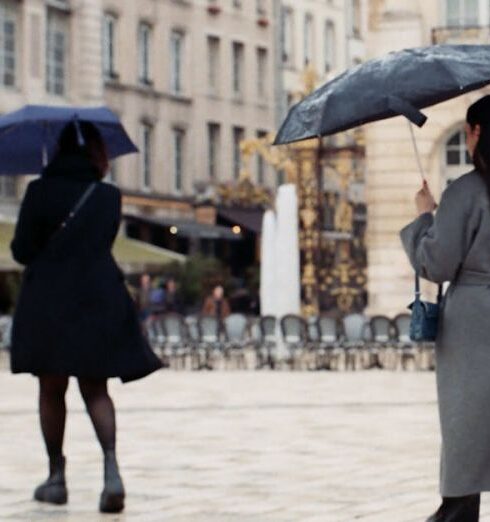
{"points": [[425, 316]]}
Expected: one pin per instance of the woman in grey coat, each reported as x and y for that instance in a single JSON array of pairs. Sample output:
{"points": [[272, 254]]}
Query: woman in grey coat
{"points": [[454, 245]]}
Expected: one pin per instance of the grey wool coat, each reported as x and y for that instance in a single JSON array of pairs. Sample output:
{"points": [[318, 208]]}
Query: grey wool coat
{"points": [[454, 245]]}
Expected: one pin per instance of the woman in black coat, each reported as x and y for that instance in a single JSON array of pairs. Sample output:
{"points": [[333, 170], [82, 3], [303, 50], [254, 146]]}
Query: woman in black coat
{"points": [[74, 316]]}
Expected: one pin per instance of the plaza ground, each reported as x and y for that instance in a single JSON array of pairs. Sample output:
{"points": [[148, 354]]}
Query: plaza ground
{"points": [[239, 447]]}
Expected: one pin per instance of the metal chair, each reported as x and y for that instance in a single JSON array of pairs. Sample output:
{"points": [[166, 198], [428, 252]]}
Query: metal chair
{"points": [[328, 329], [355, 334], [176, 338], [382, 337], [155, 334], [236, 331], [407, 350], [191, 322], [5, 332], [313, 342], [294, 334], [267, 347], [210, 345]]}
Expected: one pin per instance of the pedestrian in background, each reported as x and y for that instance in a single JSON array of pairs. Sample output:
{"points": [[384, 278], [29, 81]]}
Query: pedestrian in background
{"points": [[216, 304], [173, 300], [157, 297], [74, 316], [144, 294], [454, 245]]}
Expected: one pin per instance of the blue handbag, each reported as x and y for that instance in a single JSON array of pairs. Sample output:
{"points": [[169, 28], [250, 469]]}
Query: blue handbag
{"points": [[425, 316]]}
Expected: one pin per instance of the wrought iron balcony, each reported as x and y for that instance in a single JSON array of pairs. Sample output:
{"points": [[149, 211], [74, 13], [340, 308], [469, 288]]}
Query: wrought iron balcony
{"points": [[475, 34]]}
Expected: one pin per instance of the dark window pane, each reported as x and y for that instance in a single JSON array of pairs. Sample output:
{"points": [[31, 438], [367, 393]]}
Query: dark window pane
{"points": [[452, 157], [455, 140]]}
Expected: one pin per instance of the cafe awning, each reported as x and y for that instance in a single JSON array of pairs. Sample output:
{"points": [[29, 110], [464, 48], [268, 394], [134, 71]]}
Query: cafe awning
{"points": [[248, 219], [190, 229], [135, 256], [132, 255]]}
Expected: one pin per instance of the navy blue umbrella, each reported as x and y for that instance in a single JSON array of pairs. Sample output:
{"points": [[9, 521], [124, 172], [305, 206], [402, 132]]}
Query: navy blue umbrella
{"points": [[400, 83], [28, 137]]}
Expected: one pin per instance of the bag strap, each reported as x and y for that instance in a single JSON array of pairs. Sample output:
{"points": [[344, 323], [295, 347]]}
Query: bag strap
{"points": [[71, 215], [79, 204], [73, 212], [418, 292]]}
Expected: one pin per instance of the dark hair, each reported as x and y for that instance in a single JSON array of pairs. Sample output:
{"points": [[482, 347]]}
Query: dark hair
{"points": [[479, 114], [94, 147]]}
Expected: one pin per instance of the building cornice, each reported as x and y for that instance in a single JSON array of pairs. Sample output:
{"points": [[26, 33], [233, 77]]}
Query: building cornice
{"points": [[147, 92]]}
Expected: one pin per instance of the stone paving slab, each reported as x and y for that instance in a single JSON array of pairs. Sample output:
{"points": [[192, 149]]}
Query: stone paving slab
{"points": [[239, 447]]}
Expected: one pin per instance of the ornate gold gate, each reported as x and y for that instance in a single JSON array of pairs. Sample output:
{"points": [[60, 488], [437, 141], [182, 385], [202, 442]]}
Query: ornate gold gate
{"points": [[329, 175]]}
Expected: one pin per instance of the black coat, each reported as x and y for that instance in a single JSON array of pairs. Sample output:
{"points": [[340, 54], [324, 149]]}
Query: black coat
{"points": [[74, 315]]}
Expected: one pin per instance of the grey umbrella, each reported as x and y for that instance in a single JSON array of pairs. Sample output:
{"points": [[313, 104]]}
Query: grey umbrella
{"points": [[401, 83]]}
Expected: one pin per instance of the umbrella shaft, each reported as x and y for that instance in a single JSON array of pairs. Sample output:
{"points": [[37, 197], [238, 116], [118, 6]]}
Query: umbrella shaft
{"points": [[416, 150]]}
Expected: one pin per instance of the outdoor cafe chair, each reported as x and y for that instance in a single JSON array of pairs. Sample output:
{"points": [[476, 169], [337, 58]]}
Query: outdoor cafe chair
{"points": [[329, 345], [294, 335], [406, 348], [267, 347], [355, 335], [191, 322], [313, 342], [382, 338], [176, 338], [236, 331], [5, 331], [155, 334], [210, 345]]}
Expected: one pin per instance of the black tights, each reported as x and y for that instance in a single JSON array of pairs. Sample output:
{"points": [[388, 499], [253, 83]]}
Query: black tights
{"points": [[52, 410]]}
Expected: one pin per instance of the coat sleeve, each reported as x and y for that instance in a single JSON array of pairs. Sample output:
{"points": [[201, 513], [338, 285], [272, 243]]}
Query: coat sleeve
{"points": [[26, 243], [437, 245]]}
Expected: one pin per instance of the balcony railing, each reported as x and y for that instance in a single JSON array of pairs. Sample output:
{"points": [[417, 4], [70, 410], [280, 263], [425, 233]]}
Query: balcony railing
{"points": [[475, 34]]}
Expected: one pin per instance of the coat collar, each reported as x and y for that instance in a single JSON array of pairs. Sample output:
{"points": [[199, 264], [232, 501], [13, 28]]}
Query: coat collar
{"points": [[71, 166]]}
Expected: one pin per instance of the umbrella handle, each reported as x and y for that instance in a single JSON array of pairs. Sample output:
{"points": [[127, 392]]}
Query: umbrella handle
{"points": [[416, 150]]}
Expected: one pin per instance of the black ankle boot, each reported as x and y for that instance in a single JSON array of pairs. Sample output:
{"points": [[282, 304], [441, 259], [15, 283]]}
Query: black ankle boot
{"points": [[112, 497], [458, 509], [53, 490]]}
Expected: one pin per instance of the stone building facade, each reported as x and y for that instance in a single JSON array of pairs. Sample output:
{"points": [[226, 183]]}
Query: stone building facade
{"points": [[392, 174], [324, 36], [189, 80], [49, 54]]}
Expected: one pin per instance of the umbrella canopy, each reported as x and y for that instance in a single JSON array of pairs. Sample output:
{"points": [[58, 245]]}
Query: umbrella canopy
{"points": [[401, 83], [29, 135]]}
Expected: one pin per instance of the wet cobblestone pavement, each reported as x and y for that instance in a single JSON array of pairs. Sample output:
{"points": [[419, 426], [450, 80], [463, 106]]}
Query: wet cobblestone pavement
{"points": [[239, 447]]}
